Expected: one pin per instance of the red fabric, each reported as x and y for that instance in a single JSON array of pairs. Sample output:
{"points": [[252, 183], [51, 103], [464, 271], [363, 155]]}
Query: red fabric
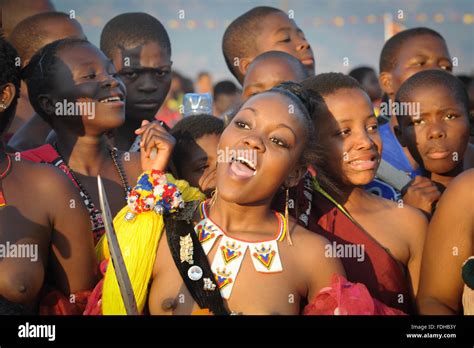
{"points": [[379, 271], [94, 303], [346, 298], [56, 303]]}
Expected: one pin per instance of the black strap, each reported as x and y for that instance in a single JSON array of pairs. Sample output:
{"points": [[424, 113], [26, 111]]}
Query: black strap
{"points": [[210, 299]]}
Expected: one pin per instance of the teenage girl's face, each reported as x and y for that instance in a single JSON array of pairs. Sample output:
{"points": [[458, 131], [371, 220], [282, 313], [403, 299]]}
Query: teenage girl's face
{"points": [[261, 147], [350, 136], [85, 75]]}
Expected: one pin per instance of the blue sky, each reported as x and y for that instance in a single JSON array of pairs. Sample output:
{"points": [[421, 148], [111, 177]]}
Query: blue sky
{"points": [[196, 41]]}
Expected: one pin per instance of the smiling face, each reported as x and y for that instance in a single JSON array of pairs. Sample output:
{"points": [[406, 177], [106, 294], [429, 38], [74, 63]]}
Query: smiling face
{"points": [[266, 74], [350, 137], [437, 139], [419, 53], [269, 142], [146, 72], [84, 75], [280, 33]]}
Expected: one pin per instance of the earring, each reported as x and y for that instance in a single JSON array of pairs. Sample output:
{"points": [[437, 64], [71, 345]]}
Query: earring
{"points": [[213, 197], [3, 106], [290, 242]]}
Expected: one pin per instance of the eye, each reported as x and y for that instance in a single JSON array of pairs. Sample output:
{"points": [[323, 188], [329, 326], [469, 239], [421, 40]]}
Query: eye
{"points": [[344, 132], [130, 74], [450, 117], [446, 67], [372, 127], [418, 121], [286, 39], [278, 142], [162, 73], [241, 124], [90, 76]]}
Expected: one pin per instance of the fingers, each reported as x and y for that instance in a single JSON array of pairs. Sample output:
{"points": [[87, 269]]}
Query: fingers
{"points": [[142, 128]]}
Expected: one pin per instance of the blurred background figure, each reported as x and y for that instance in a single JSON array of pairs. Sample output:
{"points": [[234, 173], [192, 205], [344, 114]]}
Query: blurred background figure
{"points": [[204, 83], [226, 95], [367, 77], [468, 82]]}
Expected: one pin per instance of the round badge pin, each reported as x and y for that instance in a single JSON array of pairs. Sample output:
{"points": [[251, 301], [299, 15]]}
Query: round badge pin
{"points": [[195, 273]]}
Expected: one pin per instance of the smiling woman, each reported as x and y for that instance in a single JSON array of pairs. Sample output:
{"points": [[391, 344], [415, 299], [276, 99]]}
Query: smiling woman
{"points": [[255, 271]]}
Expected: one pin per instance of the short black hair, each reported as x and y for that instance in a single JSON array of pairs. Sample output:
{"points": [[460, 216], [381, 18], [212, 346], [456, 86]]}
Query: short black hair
{"points": [[389, 56], [324, 85], [132, 29], [9, 73], [40, 71], [361, 72], [433, 78], [29, 35], [329, 83], [225, 87], [188, 130], [239, 37], [295, 63]]}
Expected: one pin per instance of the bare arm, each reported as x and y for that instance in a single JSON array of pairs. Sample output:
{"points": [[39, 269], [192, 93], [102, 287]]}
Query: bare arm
{"points": [[73, 258], [448, 244]]}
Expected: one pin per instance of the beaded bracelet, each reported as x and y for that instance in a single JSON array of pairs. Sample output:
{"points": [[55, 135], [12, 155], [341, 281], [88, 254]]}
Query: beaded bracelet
{"points": [[153, 192]]}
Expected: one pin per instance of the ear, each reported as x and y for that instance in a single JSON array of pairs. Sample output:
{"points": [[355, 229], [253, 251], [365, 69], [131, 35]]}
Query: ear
{"points": [[386, 82], [244, 65], [7, 95], [46, 104], [398, 133], [295, 176]]}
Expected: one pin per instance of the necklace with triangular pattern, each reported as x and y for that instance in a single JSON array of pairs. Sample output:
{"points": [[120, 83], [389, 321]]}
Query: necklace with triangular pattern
{"points": [[231, 251]]}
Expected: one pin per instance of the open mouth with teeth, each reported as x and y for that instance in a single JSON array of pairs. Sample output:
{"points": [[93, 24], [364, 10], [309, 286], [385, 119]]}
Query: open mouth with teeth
{"points": [[364, 164], [111, 99], [243, 168]]}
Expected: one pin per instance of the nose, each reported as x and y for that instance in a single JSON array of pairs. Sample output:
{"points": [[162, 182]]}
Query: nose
{"points": [[302, 44], [148, 84], [110, 81], [254, 142], [436, 131], [363, 141]]}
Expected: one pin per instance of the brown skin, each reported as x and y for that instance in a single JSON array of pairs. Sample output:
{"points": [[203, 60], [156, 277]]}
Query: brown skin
{"points": [[29, 128], [147, 79], [350, 132], [420, 53], [224, 102], [263, 75], [82, 140], [242, 209], [280, 33], [449, 242], [437, 139], [199, 166], [39, 211]]}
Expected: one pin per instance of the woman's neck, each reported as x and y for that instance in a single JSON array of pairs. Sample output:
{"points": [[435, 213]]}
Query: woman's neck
{"points": [[85, 154], [234, 217], [350, 197]]}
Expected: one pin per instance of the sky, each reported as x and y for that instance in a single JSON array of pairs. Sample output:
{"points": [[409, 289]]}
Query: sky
{"points": [[343, 33]]}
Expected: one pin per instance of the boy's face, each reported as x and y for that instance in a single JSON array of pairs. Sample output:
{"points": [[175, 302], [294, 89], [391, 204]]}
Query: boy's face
{"points": [[267, 74], [437, 139], [199, 168], [280, 33], [223, 102], [146, 72], [419, 53], [350, 136]]}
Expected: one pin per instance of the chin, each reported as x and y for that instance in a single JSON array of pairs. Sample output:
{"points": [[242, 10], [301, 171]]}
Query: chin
{"points": [[440, 168]]}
